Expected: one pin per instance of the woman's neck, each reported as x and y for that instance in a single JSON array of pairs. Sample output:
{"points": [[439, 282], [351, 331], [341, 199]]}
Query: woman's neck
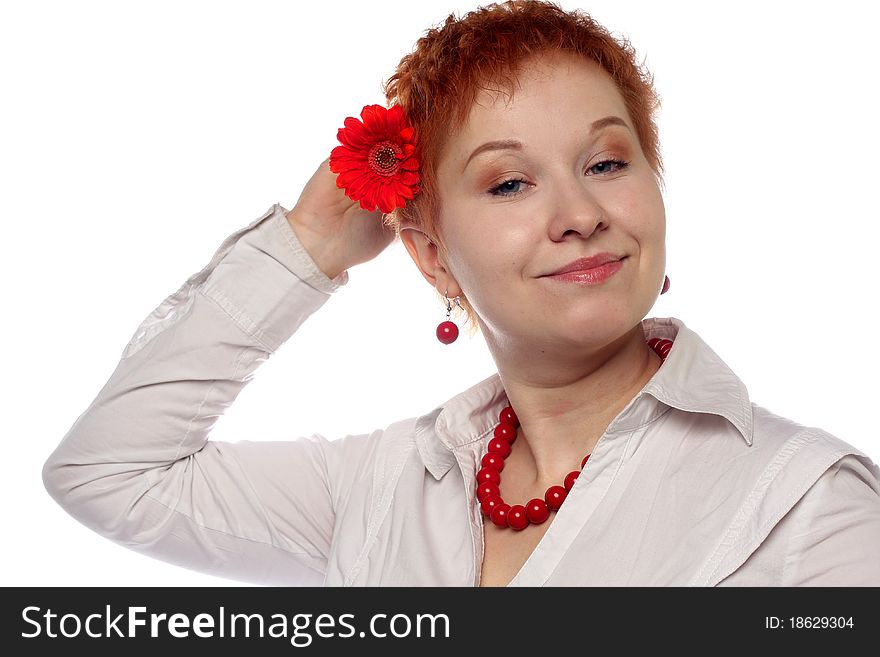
{"points": [[564, 404]]}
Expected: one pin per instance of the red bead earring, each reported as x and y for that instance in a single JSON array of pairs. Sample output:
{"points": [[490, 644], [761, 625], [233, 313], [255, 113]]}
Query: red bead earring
{"points": [[665, 285], [447, 332]]}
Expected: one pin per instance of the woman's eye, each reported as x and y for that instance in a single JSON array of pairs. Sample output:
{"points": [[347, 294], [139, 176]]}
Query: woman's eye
{"points": [[621, 165], [505, 189]]}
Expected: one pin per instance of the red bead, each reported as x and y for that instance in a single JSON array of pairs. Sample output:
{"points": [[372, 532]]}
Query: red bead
{"points": [[491, 460], [555, 496], [487, 490], [509, 416], [569, 479], [537, 511], [661, 346], [488, 476], [447, 332], [506, 432], [516, 517], [500, 447], [584, 462], [498, 516], [490, 503]]}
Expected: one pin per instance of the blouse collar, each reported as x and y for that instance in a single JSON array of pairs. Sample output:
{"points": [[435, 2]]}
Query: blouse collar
{"points": [[693, 378]]}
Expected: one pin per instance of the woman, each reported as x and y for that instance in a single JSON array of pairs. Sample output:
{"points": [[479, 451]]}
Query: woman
{"points": [[609, 449]]}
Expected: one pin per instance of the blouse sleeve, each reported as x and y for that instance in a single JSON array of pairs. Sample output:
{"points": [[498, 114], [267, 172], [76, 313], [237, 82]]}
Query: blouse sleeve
{"points": [[137, 465], [833, 532]]}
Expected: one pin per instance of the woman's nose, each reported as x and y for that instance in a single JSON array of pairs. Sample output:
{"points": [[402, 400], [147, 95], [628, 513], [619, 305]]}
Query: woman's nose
{"points": [[575, 209]]}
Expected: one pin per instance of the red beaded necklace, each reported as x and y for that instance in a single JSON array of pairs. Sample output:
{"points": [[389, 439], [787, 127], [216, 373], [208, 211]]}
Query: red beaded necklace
{"points": [[519, 517]]}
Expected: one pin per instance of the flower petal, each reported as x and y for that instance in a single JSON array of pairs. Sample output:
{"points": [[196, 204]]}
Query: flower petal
{"points": [[353, 136], [404, 190], [354, 124], [373, 193], [343, 152], [408, 177], [389, 197], [362, 183], [341, 166], [375, 120], [347, 177], [396, 119]]}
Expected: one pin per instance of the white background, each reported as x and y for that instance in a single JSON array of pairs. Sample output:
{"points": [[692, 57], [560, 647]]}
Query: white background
{"points": [[136, 136]]}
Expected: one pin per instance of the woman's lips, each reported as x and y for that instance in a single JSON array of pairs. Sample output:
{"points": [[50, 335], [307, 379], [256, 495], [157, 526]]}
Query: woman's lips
{"points": [[592, 276]]}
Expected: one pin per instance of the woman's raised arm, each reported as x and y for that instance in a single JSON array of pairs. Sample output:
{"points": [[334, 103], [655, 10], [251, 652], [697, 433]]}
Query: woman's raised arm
{"points": [[138, 466]]}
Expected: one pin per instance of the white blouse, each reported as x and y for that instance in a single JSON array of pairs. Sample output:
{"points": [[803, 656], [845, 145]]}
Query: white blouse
{"points": [[690, 485]]}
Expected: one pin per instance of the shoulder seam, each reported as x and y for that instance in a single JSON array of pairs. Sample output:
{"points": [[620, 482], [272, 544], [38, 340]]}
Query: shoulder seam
{"points": [[729, 546]]}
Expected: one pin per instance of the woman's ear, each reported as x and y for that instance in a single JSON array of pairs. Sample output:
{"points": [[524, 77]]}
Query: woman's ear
{"points": [[426, 254]]}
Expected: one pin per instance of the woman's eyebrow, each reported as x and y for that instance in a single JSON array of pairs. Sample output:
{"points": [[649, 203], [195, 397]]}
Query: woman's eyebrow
{"points": [[514, 145], [498, 145]]}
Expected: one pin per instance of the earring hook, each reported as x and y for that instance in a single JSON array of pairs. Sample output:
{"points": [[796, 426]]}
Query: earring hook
{"points": [[449, 305]]}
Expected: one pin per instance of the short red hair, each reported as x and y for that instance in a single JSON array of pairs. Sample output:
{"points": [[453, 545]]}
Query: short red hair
{"points": [[439, 81]]}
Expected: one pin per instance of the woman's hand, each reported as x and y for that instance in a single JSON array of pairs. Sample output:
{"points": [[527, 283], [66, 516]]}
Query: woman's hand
{"points": [[336, 231]]}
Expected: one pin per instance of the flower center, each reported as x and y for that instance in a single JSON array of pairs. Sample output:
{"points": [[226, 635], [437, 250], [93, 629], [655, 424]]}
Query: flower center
{"points": [[383, 158]]}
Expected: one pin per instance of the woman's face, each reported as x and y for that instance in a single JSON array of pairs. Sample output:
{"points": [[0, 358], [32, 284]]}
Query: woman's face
{"points": [[512, 215]]}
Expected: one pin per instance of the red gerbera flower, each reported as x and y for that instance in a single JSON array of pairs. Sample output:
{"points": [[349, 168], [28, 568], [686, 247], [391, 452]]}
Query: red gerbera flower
{"points": [[377, 161]]}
